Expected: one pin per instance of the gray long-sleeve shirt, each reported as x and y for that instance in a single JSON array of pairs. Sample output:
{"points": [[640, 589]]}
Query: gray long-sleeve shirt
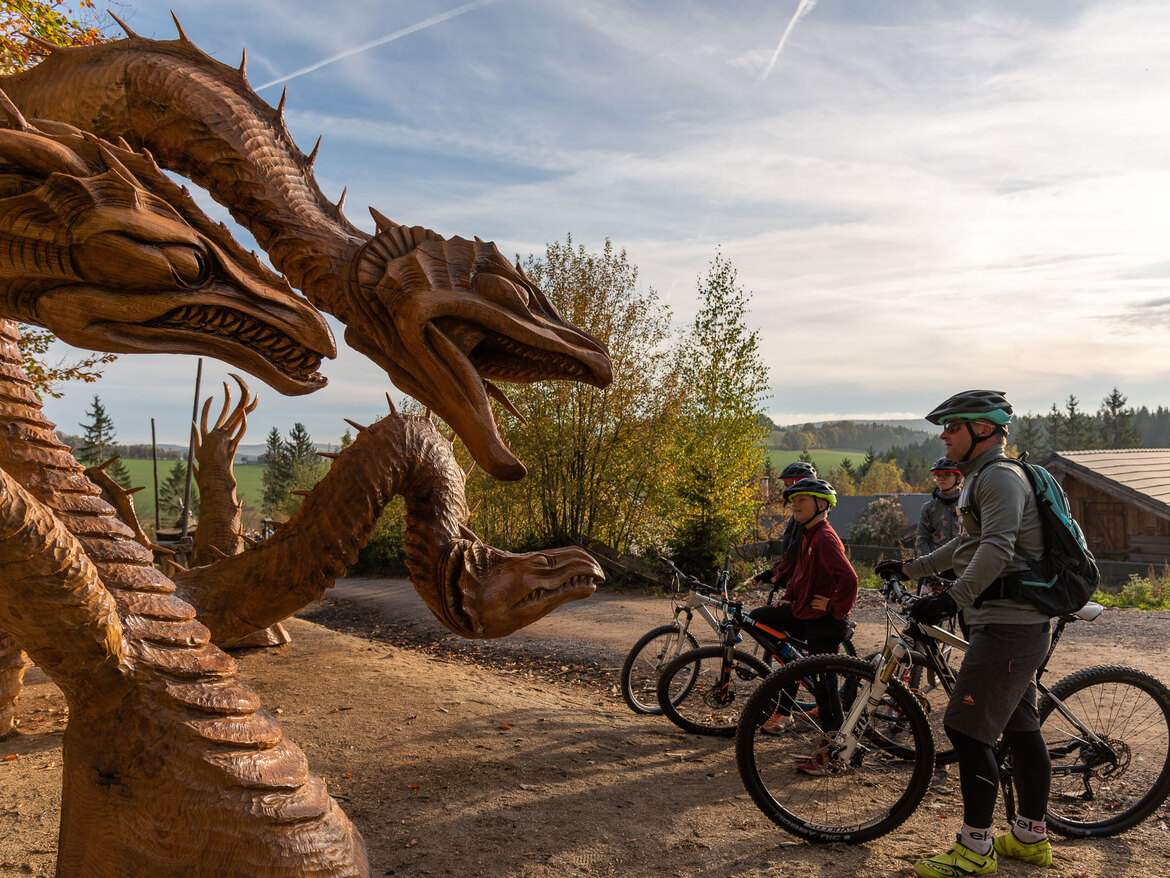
{"points": [[1007, 533]]}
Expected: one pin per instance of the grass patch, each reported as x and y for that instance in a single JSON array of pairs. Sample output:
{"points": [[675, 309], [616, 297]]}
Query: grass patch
{"points": [[823, 459], [249, 486]]}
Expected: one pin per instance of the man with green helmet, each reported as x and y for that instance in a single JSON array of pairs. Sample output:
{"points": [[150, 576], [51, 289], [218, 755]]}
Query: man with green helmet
{"points": [[818, 596], [995, 690]]}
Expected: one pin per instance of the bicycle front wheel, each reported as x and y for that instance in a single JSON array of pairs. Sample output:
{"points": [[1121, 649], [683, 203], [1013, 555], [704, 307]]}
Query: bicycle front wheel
{"points": [[802, 785], [702, 696], [654, 651], [1105, 786]]}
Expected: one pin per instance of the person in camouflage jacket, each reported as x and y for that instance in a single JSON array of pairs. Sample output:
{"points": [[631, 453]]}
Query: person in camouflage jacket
{"points": [[939, 522]]}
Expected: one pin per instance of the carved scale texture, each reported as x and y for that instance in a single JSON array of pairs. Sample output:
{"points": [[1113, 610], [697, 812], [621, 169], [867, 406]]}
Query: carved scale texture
{"points": [[12, 666], [400, 454], [204, 755]]}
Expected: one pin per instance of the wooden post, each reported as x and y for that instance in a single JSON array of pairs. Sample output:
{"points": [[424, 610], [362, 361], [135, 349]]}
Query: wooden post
{"points": [[186, 517], [154, 458]]}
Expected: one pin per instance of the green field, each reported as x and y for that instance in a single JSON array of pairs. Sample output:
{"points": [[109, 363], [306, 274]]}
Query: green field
{"points": [[249, 488], [823, 460]]}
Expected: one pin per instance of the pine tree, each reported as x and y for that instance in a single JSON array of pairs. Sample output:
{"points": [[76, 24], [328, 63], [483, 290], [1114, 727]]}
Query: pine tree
{"points": [[1079, 431], [98, 439], [1117, 427], [1056, 427], [171, 491], [300, 445], [277, 478]]}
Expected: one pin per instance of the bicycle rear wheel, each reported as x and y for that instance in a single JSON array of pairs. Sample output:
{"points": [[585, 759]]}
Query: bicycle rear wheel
{"points": [[696, 696], [654, 651], [851, 802], [1103, 789]]}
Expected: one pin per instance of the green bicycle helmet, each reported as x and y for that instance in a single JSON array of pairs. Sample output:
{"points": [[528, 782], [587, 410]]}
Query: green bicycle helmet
{"points": [[813, 487], [798, 469], [974, 405]]}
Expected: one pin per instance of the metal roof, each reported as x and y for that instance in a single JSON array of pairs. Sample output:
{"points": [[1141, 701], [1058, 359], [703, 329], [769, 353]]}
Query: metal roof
{"points": [[1140, 475]]}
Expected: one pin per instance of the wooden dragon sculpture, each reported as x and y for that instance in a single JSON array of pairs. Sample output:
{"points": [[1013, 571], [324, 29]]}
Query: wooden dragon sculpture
{"points": [[171, 765]]}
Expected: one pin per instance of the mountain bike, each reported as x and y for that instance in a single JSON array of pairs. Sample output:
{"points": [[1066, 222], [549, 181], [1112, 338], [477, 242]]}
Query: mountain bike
{"points": [[703, 690], [660, 646], [1107, 729]]}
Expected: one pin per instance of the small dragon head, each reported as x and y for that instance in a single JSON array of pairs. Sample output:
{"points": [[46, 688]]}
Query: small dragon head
{"points": [[487, 592], [446, 318], [116, 257]]}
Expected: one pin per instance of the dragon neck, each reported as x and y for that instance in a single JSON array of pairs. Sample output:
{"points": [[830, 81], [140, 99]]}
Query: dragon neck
{"points": [[213, 129], [400, 454]]}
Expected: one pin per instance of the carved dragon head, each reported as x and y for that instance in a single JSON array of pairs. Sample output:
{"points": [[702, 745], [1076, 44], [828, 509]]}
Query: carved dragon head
{"points": [[112, 255], [445, 318], [487, 592]]}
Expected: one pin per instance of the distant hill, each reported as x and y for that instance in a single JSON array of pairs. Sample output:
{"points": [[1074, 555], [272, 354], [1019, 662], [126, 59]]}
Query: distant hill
{"points": [[850, 435]]}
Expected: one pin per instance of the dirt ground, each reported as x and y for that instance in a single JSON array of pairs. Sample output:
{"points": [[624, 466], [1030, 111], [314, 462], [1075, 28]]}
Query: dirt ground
{"points": [[472, 759]]}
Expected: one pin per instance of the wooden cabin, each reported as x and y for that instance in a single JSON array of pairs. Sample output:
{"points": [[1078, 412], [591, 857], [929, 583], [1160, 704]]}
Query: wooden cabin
{"points": [[1121, 497]]}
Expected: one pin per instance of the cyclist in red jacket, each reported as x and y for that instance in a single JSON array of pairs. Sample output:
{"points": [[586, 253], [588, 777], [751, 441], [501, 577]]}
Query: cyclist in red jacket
{"points": [[820, 591]]}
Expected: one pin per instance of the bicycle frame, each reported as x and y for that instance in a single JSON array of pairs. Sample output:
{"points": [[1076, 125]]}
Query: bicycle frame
{"points": [[930, 639]]}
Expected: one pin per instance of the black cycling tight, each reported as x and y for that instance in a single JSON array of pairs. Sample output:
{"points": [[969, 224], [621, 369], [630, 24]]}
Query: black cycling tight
{"points": [[979, 775]]}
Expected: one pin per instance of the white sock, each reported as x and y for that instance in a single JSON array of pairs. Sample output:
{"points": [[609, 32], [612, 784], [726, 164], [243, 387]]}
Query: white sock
{"points": [[974, 839], [1029, 831]]}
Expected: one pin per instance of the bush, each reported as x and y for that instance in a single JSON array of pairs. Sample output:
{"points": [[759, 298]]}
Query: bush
{"points": [[880, 524], [384, 554], [1149, 592]]}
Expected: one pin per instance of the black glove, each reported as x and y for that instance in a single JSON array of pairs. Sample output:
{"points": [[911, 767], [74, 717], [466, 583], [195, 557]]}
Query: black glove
{"points": [[886, 569], [763, 576], [934, 608]]}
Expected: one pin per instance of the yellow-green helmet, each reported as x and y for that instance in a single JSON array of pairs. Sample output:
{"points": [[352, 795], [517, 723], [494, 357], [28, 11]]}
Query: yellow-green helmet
{"points": [[813, 487]]}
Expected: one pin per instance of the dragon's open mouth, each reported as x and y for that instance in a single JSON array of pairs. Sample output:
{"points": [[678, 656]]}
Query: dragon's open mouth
{"points": [[500, 358], [278, 348]]}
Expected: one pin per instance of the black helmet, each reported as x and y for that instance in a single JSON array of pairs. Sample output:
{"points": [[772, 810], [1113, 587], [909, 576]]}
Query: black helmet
{"points": [[814, 487], [799, 469], [974, 405], [945, 465]]}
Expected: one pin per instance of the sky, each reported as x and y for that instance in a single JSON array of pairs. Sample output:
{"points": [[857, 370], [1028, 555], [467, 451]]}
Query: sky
{"points": [[921, 197]]}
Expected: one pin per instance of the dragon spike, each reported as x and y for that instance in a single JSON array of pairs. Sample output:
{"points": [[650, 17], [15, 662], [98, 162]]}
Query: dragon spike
{"points": [[218, 552], [478, 239], [428, 414], [15, 117], [182, 34], [101, 467], [113, 164], [467, 471], [467, 533], [341, 200], [126, 28], [328, 454], [162, 550], [316, 146], [44, 45], [280, 106], [361, 428], [179, 567], [136, 490], [383, 223], [498, 395], [473, 508], [248, 540], [390, 402], [244, 64], [202, 428], [300, 492]]}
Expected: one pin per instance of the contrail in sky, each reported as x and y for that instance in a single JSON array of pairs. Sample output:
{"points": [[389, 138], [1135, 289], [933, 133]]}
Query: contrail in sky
{"points": [[422, 25], [802, 9]]}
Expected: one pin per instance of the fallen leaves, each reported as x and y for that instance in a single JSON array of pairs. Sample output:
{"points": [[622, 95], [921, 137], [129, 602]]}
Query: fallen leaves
{"points": [[412, 842], [11, 756]]}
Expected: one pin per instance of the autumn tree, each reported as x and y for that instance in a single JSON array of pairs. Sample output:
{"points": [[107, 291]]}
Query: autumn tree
{"points": [[883, 477], [598, 459], [719, 447], [54, 22]]}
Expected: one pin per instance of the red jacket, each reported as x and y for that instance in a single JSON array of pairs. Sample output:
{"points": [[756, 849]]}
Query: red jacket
{"points": [[821, 568]]}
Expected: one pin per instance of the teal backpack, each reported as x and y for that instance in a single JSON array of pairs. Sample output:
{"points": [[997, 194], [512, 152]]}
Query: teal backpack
{"points": [[1064, 579]]}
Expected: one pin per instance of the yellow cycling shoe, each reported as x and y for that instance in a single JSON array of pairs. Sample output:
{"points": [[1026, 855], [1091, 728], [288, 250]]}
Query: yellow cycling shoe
{"points": [[958, 862], [1038, 853]]}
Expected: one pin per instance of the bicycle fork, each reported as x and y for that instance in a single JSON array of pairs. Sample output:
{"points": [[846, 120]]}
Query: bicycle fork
{"points": [[848, 740]]}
